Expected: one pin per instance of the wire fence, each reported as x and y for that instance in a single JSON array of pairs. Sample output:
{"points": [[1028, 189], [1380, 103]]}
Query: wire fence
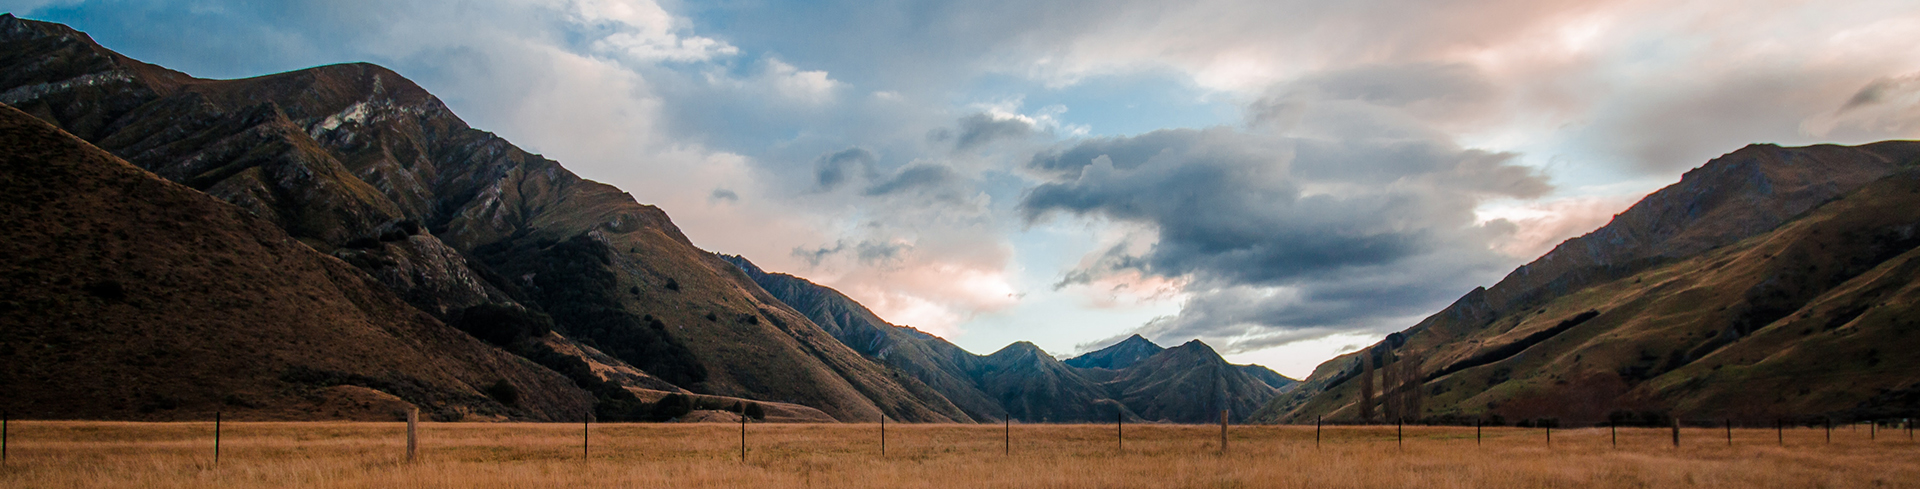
{"points": [[1012, 437]]}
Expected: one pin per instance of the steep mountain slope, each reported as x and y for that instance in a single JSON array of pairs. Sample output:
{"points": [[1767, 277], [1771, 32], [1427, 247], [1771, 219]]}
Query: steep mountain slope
{"points": [[357, 161], [1189, 382], [130, 297], [1279, 383], [933, 361], [1035, 387], [1118, 355], [1750, 290]]}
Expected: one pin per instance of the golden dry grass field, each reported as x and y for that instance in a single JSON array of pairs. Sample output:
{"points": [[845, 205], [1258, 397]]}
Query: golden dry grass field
{"points": [[50, 454]]}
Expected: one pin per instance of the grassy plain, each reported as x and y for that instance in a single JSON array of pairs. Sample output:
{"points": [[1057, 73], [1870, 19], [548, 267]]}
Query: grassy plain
{"points": [[49, 454]]}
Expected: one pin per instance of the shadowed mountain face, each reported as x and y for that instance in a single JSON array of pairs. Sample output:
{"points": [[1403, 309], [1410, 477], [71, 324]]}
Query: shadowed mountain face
{"points": [[358, 162], [1189, 382], [1185, 384], [127, 296], [1118, 356], [1770, 283]]}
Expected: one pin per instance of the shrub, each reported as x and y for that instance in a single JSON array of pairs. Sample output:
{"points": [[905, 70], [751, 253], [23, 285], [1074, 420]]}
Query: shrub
{"points": [[755, 411], [504, 392], [502, 324], [673, 406]]}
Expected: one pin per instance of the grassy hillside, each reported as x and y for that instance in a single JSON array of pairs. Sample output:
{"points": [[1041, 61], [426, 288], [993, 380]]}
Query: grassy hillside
{"points": [[1794, 321], [130, 297], [357, 161]]}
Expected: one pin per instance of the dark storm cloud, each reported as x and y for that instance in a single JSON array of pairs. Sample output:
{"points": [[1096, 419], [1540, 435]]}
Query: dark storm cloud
{"points": [[832, 170], [1278, 233]]}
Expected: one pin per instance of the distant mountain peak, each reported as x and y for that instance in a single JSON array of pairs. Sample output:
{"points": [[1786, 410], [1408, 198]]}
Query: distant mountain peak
{"points": [[1118, 356]]}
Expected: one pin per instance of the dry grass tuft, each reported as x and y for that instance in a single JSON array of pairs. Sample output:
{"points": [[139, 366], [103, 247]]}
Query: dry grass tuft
{"points": [[52, 454]]}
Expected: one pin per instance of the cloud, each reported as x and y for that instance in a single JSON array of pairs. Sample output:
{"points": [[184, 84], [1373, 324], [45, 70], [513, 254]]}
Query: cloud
{"points": [[832, 170], [979, 130], [640, 31], [721, 194], [922, 178], [1888, 105], [1352, 214]]}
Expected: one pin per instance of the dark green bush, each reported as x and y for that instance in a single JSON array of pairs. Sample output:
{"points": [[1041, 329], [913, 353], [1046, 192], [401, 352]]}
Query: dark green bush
{"points": [[504, 392]]}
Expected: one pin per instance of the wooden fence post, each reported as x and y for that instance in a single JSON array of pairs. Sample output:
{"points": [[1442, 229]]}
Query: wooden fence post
{"points": [[1829, 423], [743, 434], [1120, 431], [1400, 433], [1549, 436], [883, 434], [1676, 432], [1729, 432], [1476, 432], [413, 421], [1007, 448], [1316, 432], [216, 438], [586, 436], [1613, 431], [5, 417], [1223, 432]]}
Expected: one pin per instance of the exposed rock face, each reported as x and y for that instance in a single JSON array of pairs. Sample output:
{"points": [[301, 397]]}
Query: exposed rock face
{"points": [[341, 156], [1117, 356], [1737, 293], [127, 296]]}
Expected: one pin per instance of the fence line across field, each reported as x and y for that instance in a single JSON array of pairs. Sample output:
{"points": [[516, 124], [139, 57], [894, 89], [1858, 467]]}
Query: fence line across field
{"points": [[1320, 429]]}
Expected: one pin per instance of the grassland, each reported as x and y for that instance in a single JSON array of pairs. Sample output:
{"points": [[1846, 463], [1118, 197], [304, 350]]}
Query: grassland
{"points": [[48, 454]]}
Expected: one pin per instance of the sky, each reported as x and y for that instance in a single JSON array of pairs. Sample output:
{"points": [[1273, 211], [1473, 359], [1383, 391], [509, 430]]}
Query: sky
{"points": [[1285, 180]]}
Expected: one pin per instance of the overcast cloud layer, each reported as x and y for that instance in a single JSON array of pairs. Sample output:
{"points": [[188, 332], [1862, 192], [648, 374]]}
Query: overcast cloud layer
{"points": [[1283, 179]]}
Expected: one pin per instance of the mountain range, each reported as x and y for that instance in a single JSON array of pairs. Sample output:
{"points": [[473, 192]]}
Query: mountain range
{"points": [[335, 243]]}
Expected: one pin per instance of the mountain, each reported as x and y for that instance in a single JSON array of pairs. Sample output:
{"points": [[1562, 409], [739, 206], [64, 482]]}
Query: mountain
{"points": [[1266, 375], [933, 361], [127, 296], [1133, 378], [1118, 355], [1769, 283], [1189, 382], [357, 162], [1035, 387]]}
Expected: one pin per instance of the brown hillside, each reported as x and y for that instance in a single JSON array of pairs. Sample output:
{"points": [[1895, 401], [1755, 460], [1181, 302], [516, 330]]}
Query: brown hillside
{"points": [[1790, 321], [341, 155], [131, 297]]}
